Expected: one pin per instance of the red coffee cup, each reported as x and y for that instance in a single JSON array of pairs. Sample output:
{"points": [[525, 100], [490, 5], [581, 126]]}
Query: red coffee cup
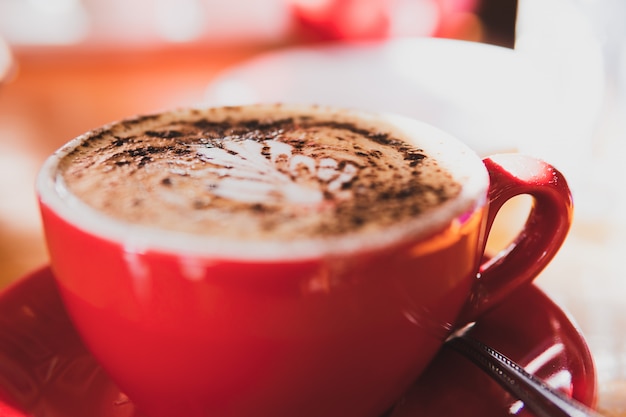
{"points": [[199, 326]]}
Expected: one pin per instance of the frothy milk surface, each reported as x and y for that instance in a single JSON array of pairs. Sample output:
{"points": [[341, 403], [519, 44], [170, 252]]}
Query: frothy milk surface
{"points": [[256, 173]]}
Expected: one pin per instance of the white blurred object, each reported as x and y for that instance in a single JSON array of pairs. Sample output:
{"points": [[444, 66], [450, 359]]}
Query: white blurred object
{"points": [[123, 23], [487, 96], [43, 22], [558, 38], [580, 45], [607, 20]]}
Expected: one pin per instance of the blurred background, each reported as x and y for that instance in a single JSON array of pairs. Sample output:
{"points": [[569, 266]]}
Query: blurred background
{"points": [[546, 77], [145, 23]]}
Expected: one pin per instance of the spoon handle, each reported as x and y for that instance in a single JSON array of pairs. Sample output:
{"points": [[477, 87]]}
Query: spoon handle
{"points": [[537, 396]]}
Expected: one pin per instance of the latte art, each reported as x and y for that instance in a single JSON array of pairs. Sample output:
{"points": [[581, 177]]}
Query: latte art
{"points": [[269, 172], [256, 173]]}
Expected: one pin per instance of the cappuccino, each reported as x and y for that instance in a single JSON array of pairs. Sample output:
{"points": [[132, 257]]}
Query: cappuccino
{"points": [[266, 172]]}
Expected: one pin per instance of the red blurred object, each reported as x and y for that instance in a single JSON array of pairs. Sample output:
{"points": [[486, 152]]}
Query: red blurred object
{"points": [[378, 19], [342, 19], [459, 19]]}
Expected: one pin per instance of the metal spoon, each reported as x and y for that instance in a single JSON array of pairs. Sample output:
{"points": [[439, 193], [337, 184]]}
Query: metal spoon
{"points": [[538, 396]]}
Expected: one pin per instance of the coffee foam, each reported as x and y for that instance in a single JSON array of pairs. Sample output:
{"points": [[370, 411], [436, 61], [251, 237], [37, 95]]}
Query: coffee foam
{"points": [[261, 179]]}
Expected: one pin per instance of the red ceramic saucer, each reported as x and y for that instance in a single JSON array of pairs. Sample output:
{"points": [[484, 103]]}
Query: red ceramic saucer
{"points": [[45, 371]]}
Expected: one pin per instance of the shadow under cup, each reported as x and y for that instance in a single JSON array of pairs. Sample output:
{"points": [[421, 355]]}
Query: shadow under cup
{"points": [[192, 326]]}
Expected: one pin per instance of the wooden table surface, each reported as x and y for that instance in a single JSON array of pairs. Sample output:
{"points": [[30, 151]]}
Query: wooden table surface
{"points": [[53, 96]]}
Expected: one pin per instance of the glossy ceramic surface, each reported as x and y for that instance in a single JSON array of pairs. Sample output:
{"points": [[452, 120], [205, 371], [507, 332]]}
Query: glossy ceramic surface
{"points": [[46, 371]]}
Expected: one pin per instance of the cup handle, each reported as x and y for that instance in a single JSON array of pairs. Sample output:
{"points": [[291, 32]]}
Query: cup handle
{"points": [[539, 240]]}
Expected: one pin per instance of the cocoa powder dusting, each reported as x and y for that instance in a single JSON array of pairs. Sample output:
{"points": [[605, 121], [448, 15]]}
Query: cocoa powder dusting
{"points": [[255, 177]]}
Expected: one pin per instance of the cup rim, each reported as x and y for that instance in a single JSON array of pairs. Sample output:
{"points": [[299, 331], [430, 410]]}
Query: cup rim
{"points": [[450, 152]]}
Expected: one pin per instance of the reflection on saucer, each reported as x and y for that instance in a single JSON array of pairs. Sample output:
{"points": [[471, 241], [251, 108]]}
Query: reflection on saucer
{"points": [[46, 371]]}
